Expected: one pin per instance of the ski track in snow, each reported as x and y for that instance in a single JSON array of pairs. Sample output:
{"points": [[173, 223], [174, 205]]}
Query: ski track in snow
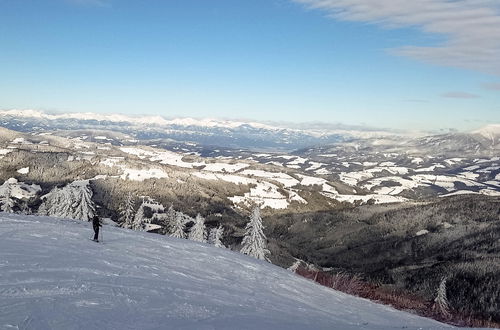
{"points": [[53, 277]]}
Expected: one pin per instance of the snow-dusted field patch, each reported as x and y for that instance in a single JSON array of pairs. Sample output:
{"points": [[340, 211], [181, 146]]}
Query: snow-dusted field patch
{"points": [[224, 167], [164, 157], [24, 170], [283, 178], [141, 175]]}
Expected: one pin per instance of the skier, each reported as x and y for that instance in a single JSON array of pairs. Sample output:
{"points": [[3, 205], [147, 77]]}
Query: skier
{"points": [[96, 224]]}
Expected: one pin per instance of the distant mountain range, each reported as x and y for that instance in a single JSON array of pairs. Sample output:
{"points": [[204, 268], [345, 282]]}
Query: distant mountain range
{"points": [[227, 133]]}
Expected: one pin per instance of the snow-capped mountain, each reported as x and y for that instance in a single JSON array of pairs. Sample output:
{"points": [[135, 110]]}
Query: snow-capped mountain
{"points": [[119, 118], [54, 277], [210, 132], [490, 132]]}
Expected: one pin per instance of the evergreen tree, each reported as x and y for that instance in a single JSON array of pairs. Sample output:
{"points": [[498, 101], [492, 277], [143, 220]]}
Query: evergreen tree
{"points": [[178, 226], [198, 231], [127, 211], [441, 305], [166, 219], [7, 201], [83, 207], [215, 236], [25, 208], [139, 218], [73, 201], [255, 243]]}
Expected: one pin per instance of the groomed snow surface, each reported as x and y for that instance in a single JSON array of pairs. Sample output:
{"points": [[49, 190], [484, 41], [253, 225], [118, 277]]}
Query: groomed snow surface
{"points": [[52, 276]]}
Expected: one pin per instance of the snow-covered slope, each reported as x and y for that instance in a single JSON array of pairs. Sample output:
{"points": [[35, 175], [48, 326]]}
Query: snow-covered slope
{"points": [[53, 277]]}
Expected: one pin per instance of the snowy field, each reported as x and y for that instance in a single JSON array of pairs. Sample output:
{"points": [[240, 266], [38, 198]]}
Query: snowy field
{"points": [[52, 276]]}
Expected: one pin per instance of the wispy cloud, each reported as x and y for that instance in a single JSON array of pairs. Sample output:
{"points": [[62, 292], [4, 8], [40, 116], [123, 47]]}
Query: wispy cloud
{"points": [[460, 95], [471, 27], [491, 86]]}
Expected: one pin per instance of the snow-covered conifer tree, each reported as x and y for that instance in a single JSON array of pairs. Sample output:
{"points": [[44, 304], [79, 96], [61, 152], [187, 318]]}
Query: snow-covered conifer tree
{"points": [[198, 231], [441, 305], [127, 211], [73, 201], [215, 236], [178, 225], [255, 242], [167, 219], [139, 218], [83, 207], [7, 201]]}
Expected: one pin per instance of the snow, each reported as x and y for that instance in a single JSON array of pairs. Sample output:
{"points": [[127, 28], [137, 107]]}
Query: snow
{"points": [[283, 178], [376, 198], [141, 175], [164, 157], [493, 183], [314, 166], [151, 227], [294, 196], [236, 179], [24, 170], [297, 161], [417, 160], [404, 184], [264, 194], [489, 169], [144, 120], [453, 161], [352, 178], [446, 182], [4, 152], [20, 140], [54, 277], [113, 161], [469, 175], [322, 171], [224, 167], [487, 192], [275, 163], [430, 168], [310, 180], [387, 164], [19, 190], [472, 168], [421, 232]]}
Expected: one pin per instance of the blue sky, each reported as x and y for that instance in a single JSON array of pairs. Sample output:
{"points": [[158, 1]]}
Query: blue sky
{"points": [[388, 65]]}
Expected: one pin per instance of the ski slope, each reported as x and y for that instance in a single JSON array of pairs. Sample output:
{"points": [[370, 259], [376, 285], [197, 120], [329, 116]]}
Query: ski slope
{"points": [[52, 276]]}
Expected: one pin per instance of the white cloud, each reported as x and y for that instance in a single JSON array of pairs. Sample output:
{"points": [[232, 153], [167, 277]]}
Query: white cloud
{"points": [[460, 95], [471, 27], [491, 86]]}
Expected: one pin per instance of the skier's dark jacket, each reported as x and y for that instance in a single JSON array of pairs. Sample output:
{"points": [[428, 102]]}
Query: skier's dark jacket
{"points": [[95, 222]]}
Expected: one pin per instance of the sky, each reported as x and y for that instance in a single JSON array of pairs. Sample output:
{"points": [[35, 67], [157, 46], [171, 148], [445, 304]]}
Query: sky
{"points": [[421, 64]]}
